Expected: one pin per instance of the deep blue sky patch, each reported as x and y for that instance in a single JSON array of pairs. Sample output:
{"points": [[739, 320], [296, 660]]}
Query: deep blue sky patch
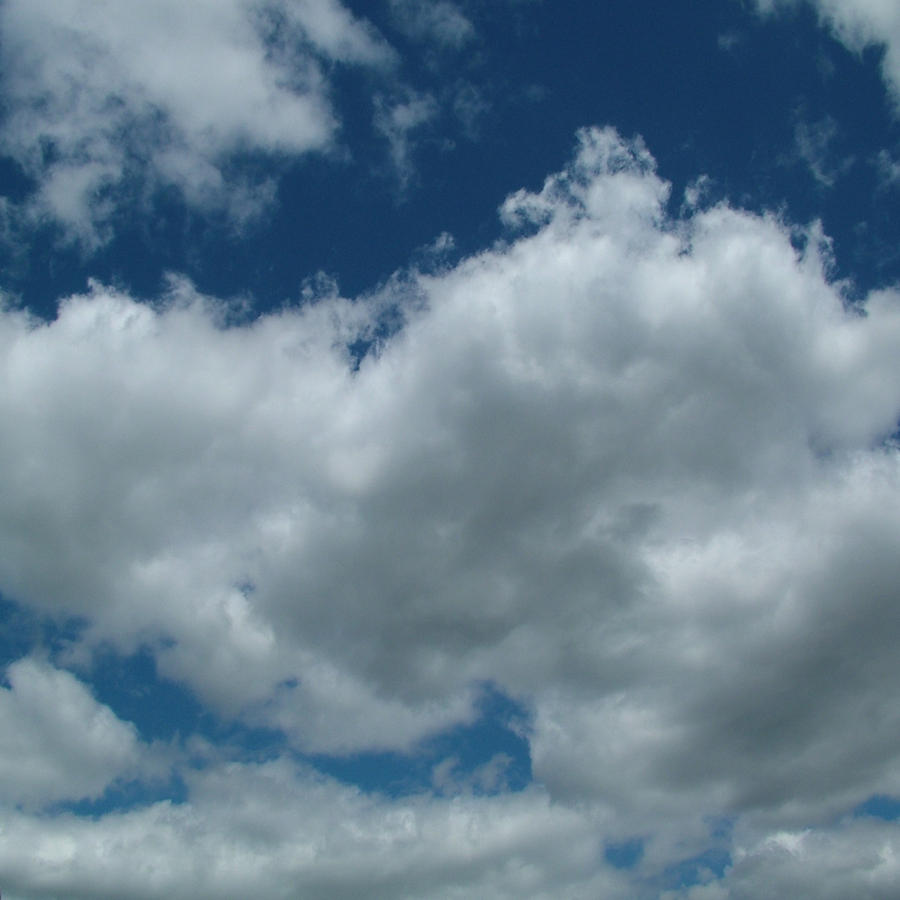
{"points": [[487, 756], [625, 854], [880, 807]]}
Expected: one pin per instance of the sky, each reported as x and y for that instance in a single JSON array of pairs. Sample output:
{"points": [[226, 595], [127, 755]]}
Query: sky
{"points": [[450, 449]]}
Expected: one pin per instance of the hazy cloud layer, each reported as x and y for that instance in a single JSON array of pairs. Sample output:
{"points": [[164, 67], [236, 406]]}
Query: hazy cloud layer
{"points": [[638, 473]]}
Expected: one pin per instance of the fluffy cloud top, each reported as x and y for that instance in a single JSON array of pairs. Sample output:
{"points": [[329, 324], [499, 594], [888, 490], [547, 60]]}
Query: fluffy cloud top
{"points": [[637, 472]]}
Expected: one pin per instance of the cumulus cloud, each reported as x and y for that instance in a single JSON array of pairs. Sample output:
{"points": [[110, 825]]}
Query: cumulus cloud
{"points": [[56, 741], [638, 473], [103, 96]]}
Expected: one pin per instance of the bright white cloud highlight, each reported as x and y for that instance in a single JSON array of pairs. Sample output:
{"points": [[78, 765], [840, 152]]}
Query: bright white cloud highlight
{"points": [[638, 473]]}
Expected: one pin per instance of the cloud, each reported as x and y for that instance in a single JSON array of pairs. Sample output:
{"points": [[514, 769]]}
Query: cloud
{"points": [[436, 21], [397, 120], [814, 146], [253, 829], [856, 858], [888, 169], [56, 742], [859, 24], [638, 473], [103, 98]]}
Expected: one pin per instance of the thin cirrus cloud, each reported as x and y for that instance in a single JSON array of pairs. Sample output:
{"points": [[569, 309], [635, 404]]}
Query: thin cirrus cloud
{"points": [[442, 22], [109, 101], [636, 472]]}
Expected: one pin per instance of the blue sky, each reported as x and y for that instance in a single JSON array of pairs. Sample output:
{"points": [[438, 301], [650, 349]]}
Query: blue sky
{"points": [[449, 449]]}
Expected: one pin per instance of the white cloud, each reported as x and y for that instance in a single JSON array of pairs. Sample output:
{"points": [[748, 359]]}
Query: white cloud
{"points": [[857, 858], [446, 777], [437, 21], [888, 169], [266, 829], [99, 93], [858, 24], [814, 146], [397, 121], [56, 741], [635, 472]]}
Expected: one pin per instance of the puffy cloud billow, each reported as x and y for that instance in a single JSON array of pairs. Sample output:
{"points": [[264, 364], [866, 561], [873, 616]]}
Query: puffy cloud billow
{"points": [[636, 472]]}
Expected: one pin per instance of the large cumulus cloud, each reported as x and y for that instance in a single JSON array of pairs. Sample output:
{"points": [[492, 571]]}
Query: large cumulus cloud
{"points": [[636, 471]]}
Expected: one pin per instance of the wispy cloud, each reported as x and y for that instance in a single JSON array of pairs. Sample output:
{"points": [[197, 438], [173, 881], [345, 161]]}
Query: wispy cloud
{"points": [[438, 22], [814, 142], [398, 121], [108, 101], [858, 24]]}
